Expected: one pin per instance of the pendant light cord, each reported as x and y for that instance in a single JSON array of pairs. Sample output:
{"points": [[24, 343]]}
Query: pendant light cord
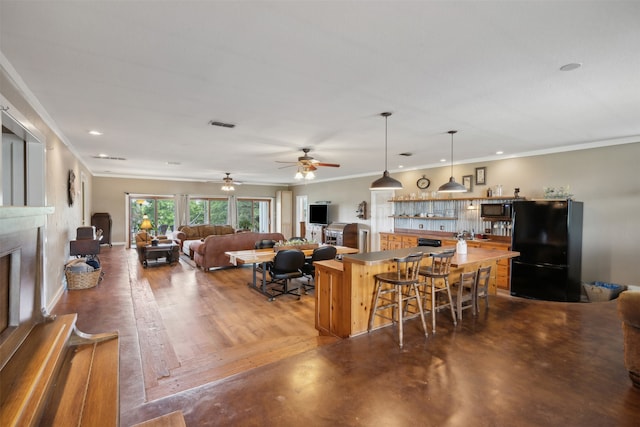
{"points": [[452, 132], [385, 142], [451, 155]]}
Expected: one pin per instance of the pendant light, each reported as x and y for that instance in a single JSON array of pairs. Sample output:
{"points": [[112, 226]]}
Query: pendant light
{"points": [[452, 186], [385, 182]]}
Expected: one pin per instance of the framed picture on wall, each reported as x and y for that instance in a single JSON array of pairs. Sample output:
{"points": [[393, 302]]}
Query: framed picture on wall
{"points": [[467, 182], [481, 176]]}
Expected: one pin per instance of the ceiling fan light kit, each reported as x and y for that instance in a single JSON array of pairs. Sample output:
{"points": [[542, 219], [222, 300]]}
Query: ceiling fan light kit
{"points": [[452, 186], [228, 183], [385, 182]]}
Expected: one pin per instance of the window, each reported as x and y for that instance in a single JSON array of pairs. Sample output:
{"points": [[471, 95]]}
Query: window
{"points": [[213, 211], [254, 215], [160, 210]]}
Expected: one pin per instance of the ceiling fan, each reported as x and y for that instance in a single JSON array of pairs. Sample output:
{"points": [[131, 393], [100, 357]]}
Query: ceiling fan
{"points": [[228, 182], [308, 163]]}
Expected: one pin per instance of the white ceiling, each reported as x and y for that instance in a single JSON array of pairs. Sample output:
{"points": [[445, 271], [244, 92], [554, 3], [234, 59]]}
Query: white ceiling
{"points": [[151, 75]]}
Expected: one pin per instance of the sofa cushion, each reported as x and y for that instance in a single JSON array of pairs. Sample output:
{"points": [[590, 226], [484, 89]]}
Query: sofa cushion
{"points": [[189, 232]]}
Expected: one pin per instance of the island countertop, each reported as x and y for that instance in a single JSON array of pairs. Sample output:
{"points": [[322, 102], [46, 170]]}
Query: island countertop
{"points": [[344, 296], [473, 255]]}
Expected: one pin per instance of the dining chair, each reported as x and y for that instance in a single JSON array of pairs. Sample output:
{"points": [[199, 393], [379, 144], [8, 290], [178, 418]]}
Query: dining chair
{"points": [[287, 264], [263, 244], [482, 287], [464, 291], [394, 290], [321, 253], [437, 278]]}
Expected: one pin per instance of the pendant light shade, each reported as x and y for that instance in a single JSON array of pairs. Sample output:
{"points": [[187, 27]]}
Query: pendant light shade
{"points": [[385, 182], [452, 186]]}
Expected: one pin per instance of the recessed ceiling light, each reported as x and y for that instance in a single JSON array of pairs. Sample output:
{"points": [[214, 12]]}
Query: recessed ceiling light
{"points": [[103, 155], [571, 66], [173, 163], [400, 166], [499, 152], [95, 132], [443, 160]]}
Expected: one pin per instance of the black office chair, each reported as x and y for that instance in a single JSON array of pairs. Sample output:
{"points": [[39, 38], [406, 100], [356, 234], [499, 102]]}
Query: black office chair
{"points": [[320, 253], [264, 244], [287, 265]]}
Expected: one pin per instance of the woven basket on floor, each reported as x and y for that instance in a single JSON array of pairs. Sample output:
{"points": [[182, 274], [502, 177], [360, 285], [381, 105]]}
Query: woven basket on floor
{"points": [[82, 279]]}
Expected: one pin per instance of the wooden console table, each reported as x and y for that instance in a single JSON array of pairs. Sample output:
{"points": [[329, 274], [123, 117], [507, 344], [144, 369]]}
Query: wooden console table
{"points": [[169, 251]]}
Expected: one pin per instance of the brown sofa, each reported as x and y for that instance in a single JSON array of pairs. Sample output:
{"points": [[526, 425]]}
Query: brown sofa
{"points": [[187, 234], [210, 253], [629, 308]]}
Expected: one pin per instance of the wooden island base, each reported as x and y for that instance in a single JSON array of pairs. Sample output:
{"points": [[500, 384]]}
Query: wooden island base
{"points": [[344, 291]]}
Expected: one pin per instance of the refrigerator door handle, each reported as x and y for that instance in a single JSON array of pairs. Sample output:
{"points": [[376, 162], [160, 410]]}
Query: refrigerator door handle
{"points": [[543, 265]]}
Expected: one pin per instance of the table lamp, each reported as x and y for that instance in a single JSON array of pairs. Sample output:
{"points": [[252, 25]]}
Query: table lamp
{"points": [[146, 224]]}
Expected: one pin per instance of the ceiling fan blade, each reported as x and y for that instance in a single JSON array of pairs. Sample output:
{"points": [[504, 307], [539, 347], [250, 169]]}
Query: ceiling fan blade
{"points": [[280, 161], [331, 165], [288, 166]]}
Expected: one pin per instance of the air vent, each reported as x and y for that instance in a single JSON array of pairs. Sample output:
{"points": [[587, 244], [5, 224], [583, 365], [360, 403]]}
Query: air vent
{"points": [[406, 154], [109, 158], [222, 124]]}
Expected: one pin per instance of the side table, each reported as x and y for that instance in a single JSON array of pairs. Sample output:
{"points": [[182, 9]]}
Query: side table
{"points": [[169, 251]]}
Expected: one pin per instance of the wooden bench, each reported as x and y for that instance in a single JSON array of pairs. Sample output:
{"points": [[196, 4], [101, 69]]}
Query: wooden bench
{"points": [[59, 376]]}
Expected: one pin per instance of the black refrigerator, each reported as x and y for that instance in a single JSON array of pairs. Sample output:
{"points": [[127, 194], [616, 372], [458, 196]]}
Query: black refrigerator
{"points": [[548, 235]]}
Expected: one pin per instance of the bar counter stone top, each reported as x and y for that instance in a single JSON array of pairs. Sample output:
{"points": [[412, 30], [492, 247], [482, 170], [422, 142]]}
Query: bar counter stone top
{"points": [[473, 255]]}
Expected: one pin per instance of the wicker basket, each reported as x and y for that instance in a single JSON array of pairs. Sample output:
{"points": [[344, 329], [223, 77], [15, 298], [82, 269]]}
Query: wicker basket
{"points": [[81, 279]]}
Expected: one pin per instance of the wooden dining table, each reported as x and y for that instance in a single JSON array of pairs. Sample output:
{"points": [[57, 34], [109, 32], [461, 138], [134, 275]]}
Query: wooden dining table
{"points": [[261, 257]]}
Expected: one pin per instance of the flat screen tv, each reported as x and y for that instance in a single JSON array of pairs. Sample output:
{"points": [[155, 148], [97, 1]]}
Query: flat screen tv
{"points": [[319, 214]]}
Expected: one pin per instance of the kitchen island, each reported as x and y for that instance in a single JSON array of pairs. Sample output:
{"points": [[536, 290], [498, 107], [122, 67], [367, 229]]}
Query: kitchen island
{"points": [[344, 291]]}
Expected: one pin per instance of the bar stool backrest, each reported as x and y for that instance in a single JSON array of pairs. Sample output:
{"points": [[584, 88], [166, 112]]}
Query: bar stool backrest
{"points": [[408, 267], [441, 263]]}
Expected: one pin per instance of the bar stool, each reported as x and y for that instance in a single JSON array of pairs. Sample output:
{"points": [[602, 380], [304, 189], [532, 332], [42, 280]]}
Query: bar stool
{"points": [[394, 297], [482, 287], [464, 292], [439, 271]]}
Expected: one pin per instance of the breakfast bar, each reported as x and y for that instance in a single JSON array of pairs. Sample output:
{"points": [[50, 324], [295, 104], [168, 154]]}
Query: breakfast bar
{"points": [[344, 291]]}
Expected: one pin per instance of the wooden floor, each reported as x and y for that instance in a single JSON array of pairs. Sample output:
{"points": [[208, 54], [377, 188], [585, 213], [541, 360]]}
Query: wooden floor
{"points": [[206, 344]]}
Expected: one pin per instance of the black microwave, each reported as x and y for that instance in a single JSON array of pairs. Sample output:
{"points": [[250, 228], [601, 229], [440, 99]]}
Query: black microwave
{"points": [[495, 210]]}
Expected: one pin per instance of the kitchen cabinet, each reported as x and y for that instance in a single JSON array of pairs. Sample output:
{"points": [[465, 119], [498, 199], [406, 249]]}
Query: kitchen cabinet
{"points": [[391, 241], [332, 299]]}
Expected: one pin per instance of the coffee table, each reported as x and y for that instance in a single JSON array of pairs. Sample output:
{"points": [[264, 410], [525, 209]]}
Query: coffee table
{"points": [[169, 251]]}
